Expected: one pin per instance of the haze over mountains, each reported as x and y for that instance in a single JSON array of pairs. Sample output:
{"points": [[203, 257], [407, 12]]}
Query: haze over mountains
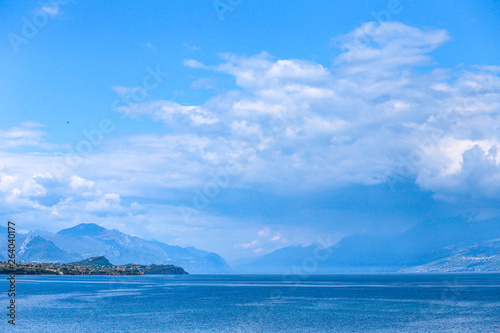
{"points": [[455, 244], [452, 245]]}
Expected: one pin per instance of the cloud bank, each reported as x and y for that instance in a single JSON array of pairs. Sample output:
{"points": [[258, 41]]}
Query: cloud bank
{"points": [[382, 112]]}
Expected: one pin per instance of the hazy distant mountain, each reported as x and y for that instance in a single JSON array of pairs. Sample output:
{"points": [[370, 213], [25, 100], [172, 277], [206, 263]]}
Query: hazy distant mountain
{"points": [[419, 246], [38, 249], [445, 245], [278, 262], [83, 230], [484, 257], [191, 258], [90, 240]]}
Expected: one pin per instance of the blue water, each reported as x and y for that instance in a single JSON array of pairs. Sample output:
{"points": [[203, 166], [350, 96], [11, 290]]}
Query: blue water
{"points": [[266, 303]]}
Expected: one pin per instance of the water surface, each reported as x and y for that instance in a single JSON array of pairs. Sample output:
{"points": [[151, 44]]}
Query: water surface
{"points": [[257, 303]]}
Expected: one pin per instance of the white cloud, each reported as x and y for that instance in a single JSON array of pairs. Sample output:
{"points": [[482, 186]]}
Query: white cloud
{"points": [[291, 125], [288, 125], [6, 182], [150, 46], [27, 134], [264, 71], [193, 63], [109, 203], [264, 232], [267, 240], [191, 47], [170, 113], [495, 69], [127, 91], [386, 47], [203, 83], [51, 10], [80, 183]]}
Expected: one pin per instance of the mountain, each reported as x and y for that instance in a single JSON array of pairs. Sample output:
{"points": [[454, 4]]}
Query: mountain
{"points": [[83, 230], [191, 258], [426, 246], [94, 262], [38, 249], [90, 240], [483, 257], [277, 262], [455, 244]]}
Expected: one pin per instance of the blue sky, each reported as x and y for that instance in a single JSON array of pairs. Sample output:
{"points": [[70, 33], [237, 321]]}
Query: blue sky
{"points": [[278, 125]]}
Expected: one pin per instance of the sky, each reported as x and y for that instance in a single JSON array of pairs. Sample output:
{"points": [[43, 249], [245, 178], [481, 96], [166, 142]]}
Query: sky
{"points": [[242, 127]]}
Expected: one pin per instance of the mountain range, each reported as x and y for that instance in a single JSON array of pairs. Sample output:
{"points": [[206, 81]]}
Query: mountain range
{"points": [[449, 245], [444, 245], [90, 240]]}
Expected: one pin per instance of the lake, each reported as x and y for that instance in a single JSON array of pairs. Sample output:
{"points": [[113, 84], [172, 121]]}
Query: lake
{"points": [[256, 303]]}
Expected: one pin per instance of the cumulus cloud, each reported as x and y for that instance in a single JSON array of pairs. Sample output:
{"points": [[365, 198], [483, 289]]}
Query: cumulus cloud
{"points": [[367, 120], [291, 124], [78, 183], [476, 173], [108, 203]]}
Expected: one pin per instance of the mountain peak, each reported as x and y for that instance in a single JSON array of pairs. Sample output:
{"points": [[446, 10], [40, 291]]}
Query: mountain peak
{"points": [[83, 229]]}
